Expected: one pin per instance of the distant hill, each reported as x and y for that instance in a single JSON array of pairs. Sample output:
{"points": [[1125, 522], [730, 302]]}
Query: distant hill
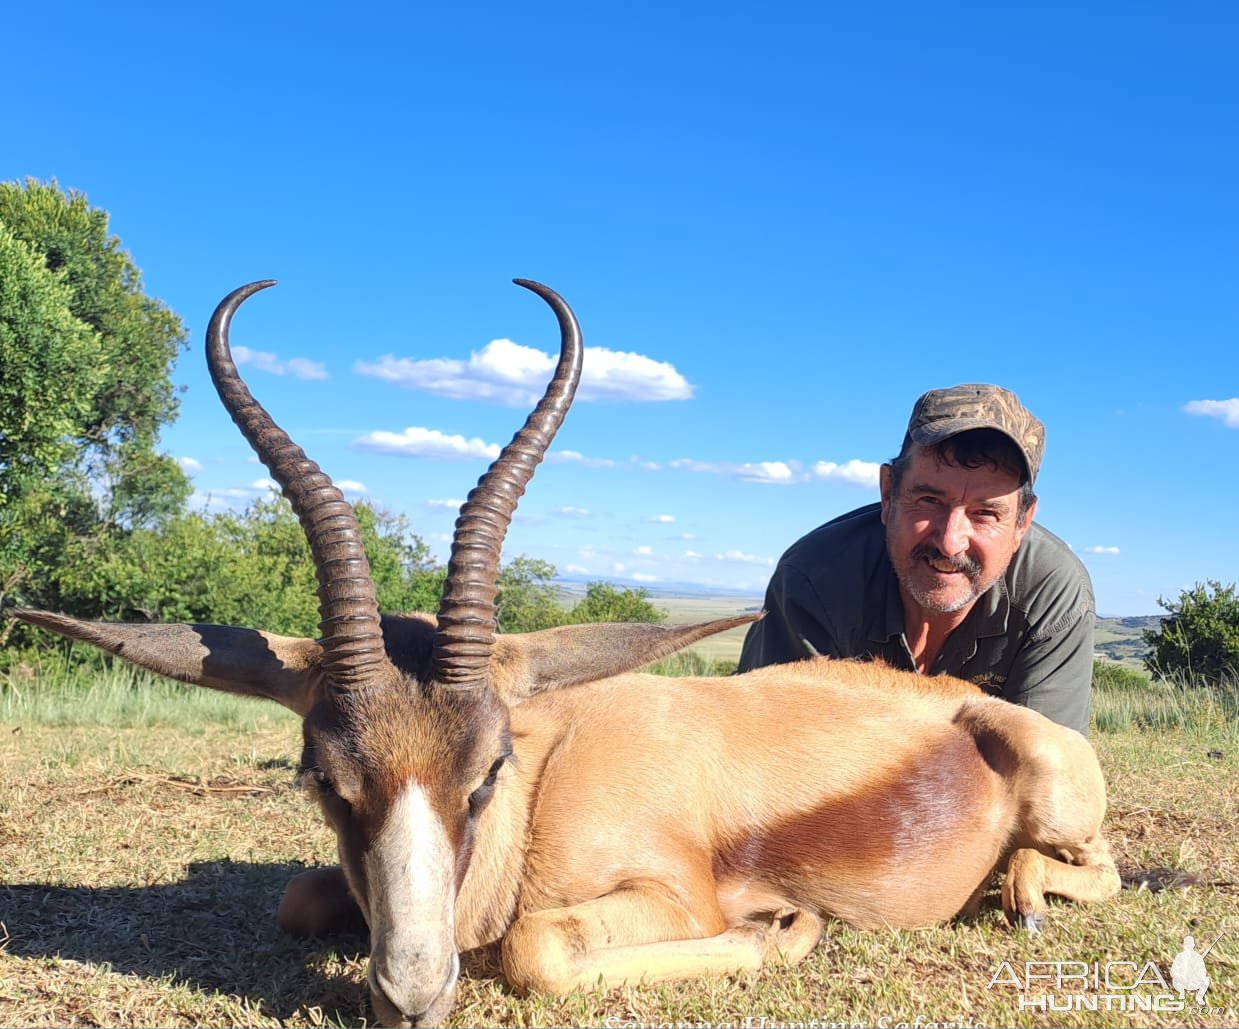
{"points": [[1119, 639], [1122, 639]]}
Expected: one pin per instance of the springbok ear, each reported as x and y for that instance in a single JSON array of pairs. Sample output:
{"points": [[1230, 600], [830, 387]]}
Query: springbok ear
{"points": [[533, 662], [245, 661]]}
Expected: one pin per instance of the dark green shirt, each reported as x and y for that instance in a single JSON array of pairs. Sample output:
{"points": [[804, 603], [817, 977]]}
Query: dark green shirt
{"points": [[1029, 638]]}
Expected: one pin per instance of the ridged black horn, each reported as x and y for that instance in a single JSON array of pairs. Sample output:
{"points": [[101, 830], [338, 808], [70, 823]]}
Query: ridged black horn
{"points": [[466, 630], [352, 639]]}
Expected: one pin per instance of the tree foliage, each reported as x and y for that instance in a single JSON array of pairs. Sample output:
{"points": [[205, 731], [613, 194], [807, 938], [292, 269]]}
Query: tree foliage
{"points": [[85, 384], [136, 337], [253, 568], [250, 568], [1200, 636], [47, 374], [604, 602]]}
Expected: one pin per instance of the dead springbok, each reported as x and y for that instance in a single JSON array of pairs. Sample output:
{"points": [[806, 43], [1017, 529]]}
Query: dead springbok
{"points": [[605, 825]]}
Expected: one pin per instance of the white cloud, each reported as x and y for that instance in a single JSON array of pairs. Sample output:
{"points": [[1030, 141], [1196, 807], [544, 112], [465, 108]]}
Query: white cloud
{"points": [[660, 519], [779, 472], [505, 372], [576, 570], [576, 457], [858, 473], [692, 555], [766, 471], [190, 464], [643, 577], [644, 551], [739, 557], [451, 505], [297, 367], [571, 512], [1101, 550], [418, 442], [617, 567], [351, 486], [1227, 410], [784, 473], [265, 484]]}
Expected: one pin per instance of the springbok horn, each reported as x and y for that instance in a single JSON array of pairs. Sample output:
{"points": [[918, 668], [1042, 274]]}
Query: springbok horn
{"points": [[352, 638], [466, 630]]}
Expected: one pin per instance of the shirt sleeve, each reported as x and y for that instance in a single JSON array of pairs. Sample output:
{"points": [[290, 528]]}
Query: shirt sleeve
{"points": [[794, 626], [1053, 673]]}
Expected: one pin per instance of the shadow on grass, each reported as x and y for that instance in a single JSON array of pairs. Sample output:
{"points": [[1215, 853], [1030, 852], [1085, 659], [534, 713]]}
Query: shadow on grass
{"points": [[213, 931]]}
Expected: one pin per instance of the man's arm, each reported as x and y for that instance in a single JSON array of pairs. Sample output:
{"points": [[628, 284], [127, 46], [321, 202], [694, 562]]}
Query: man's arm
{"points": [[1053, 673], [794, 626]]}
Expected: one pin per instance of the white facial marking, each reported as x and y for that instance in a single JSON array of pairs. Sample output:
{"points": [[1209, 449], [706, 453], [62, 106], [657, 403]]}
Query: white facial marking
{"points": [[411, 872]]}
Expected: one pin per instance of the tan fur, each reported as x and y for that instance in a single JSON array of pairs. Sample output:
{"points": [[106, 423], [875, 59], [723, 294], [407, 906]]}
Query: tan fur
{"points": [[696, 806], [651, 828]]}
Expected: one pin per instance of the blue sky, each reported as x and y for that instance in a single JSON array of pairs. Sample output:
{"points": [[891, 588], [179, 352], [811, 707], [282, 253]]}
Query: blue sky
{"points": [[778, 225]]}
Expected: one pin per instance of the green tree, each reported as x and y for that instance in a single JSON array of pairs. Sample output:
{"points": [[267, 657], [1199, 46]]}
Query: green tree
{"points": [[1200, 636], [251, 568], [137, 337], [47, 374], [85, 363], [605, 602], [527, 598]]}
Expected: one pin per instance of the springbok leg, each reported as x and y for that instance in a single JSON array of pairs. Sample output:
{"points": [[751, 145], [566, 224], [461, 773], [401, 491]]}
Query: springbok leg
{"points": [[317, 902], [562, 949], [1031, 875]]}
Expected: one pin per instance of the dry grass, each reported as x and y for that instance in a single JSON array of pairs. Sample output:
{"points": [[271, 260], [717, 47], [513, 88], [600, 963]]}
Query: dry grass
{"points": [[140, 870]]}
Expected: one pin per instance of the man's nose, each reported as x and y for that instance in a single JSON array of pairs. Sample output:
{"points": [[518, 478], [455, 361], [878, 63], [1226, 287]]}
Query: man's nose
{"points": [[954, 531]]}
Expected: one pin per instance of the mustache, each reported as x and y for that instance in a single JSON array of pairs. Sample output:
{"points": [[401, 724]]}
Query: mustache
{"points": [[970, 566]]}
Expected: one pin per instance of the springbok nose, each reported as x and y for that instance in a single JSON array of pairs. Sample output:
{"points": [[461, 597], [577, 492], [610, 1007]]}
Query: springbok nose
{"points": [[412, 998]]}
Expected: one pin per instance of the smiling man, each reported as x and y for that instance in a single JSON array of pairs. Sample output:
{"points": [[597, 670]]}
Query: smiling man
{"points": [[948, 574]]}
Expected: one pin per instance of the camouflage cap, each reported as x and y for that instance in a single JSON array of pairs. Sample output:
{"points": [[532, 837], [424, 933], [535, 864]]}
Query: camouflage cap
{"points": [[943, 413]]}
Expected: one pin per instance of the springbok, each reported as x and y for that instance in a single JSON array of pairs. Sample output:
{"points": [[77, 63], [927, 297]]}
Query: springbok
{"points": [[609, 826]]}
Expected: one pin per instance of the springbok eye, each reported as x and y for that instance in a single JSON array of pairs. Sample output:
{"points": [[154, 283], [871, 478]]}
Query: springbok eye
{"points": [[481, 796]]}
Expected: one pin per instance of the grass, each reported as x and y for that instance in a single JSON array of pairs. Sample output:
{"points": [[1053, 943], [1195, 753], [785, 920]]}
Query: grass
{"points": [[58, 691], [1133, 701], [145, 841]]}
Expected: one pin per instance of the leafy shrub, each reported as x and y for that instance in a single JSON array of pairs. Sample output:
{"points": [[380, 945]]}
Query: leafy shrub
{"points": [[1200, 638], [1110, 675], [604, 602]]}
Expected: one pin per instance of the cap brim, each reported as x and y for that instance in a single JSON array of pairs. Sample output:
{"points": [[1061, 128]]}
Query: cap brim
{"points": [[932, 434]]}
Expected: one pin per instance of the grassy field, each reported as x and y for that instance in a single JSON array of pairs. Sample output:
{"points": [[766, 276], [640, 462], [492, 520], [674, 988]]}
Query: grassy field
{"points": [[726, 645], [1118, 639], [147, 831]]}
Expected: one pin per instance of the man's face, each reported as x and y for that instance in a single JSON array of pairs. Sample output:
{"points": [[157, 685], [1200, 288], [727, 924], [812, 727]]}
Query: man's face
{"points": [[951, 532]]}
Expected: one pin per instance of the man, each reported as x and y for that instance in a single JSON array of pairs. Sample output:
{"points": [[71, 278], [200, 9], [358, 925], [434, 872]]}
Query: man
{"points": [[948, 574]]}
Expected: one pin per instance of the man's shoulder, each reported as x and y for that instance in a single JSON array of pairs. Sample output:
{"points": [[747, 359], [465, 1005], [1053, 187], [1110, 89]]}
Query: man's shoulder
{"points": [[1048, 582], [857, 536]]}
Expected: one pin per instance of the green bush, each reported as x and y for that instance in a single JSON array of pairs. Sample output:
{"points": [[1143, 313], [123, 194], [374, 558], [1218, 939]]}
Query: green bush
{"points": [[1110, 675], [1200, 638]]}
